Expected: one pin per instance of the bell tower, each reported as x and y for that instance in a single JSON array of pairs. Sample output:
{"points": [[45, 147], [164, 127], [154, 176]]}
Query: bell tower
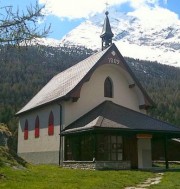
{"points": [[107, 34]]}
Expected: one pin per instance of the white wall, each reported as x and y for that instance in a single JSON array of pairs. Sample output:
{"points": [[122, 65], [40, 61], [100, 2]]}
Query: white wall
{"points": [[44, 142], [92, 93]]}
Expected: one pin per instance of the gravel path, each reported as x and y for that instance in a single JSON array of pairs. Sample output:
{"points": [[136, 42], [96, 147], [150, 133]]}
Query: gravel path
{"points": [[148, 182]]}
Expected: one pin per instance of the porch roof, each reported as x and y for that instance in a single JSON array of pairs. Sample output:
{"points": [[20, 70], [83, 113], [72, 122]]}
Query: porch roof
{"points": [[111, 116]]}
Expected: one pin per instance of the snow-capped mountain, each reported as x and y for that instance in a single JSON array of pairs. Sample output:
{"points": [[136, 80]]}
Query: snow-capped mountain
{"points": [[140, 37]]}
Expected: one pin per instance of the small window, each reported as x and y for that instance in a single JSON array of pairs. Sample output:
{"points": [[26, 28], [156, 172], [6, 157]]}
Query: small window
{"points": [[51, 124], [108, 88], [37, 127], [26, 130]]}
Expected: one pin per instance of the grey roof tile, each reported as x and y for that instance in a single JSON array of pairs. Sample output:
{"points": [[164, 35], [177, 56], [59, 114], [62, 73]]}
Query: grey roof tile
{"points": [[61, 84]]}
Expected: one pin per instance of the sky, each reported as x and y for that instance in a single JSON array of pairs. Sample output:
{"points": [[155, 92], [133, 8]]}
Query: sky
{"points": [[64, 15]]}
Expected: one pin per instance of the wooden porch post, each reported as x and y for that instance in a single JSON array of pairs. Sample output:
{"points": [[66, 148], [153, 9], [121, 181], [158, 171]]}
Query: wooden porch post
{"points": [[94, 150], [166, 152], [80, 138]]}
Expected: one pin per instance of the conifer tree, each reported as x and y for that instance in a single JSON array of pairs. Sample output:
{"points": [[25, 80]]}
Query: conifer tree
{"points": [[18, 27]]}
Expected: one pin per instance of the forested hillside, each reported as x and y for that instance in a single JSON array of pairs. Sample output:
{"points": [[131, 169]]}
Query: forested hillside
{"points": [[24, 72], [162, 83]]}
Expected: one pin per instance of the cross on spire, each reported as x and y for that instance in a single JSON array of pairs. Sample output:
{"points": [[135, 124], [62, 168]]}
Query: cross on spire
{"points": [[106, 5]]}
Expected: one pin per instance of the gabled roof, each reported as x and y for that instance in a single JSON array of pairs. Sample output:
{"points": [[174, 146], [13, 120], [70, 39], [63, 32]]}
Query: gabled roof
{"points": [[111, 116], [65, 84], [61, 84]]}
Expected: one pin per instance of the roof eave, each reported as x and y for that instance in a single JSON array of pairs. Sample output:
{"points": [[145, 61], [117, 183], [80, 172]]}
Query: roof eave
{"points": [[168, 133], [41, 105]]}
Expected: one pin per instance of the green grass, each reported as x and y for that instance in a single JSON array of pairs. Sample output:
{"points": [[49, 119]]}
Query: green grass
{"points": [[49, 176], [170, 180], [171, 165], [10, 157]]}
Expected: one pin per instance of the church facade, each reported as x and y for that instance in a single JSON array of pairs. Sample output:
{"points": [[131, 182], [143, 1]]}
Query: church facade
{"points": [[92, 114]]}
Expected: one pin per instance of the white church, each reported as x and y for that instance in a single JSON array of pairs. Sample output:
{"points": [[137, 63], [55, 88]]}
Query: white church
{"points": [[92, 115]]}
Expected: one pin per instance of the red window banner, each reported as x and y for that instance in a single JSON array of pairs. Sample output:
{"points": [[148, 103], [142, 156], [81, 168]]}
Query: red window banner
{"points": [[37, 127], [26, 132], [51, 124]]}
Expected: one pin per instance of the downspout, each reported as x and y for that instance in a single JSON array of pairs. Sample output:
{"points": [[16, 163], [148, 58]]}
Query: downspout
{"points": [[60, 129]]}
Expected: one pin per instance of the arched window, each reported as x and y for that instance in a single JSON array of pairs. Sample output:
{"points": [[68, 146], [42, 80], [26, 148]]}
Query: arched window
{"points": [[51, 124], [108, 88], [26, 130], [36, 132]]}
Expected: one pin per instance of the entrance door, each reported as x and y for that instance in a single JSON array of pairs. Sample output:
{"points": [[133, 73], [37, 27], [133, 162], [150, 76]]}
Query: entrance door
{"points": [[144, 153]]}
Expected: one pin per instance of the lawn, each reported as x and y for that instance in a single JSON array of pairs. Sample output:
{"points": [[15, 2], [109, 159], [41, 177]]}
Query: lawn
{"points": [[49, 176], [170, 180]]}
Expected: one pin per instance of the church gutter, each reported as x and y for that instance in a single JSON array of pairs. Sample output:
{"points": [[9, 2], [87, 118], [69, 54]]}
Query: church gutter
{"points": [[169, 134]]}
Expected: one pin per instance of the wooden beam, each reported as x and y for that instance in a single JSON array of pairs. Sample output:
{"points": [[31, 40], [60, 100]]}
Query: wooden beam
{"points": [[143, 106], [145, 136], [75, 99], [132, 85], [94, 147]]}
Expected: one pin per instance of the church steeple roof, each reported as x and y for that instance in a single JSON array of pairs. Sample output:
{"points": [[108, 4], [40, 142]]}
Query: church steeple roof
{"points": [[106, 33]]}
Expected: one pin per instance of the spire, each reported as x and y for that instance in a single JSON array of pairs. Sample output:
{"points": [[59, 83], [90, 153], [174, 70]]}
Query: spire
{"points": [[106, 33]]}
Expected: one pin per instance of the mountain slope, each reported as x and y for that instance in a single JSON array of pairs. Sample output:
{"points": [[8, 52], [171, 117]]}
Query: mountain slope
{"points": [[152, 40]]}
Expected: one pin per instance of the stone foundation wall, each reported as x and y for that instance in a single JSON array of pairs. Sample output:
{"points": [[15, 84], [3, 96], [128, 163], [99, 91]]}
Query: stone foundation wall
{"points": [[79, 164], [116, 165], [98, 165]]}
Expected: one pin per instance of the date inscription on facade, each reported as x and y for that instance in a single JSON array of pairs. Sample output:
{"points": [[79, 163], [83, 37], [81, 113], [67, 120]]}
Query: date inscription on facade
{"points": [[113, 61]]}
